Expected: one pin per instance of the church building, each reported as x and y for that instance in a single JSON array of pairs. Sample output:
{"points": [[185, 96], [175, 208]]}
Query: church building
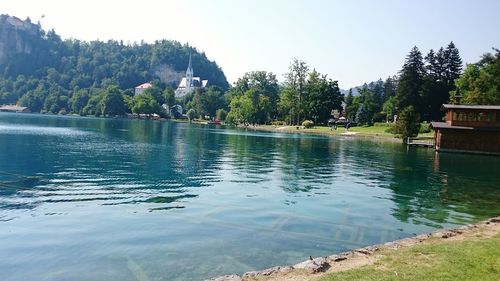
{"points": [[189, 82]]}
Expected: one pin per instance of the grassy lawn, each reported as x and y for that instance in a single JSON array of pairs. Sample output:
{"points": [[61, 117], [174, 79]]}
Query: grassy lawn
{"points": [[440, 260], [379, 130], [372, 130]]}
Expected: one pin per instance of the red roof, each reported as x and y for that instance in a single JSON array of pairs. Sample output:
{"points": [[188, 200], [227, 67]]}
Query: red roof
{"points": [[144, 86], [445, 125]]}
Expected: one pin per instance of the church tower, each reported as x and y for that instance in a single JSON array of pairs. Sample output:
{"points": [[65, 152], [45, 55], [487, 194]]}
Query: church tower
{"points": [[189, 82], [189, 76]]}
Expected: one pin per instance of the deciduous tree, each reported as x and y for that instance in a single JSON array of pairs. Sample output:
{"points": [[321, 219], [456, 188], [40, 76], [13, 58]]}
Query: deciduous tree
{"points": [[480, 83], [295, 79], [112, 103]]}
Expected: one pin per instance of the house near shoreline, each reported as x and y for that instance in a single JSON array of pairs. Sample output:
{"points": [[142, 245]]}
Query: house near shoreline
{"points": [[468, 128], [141, 88], [14, 108], [189, 82]]}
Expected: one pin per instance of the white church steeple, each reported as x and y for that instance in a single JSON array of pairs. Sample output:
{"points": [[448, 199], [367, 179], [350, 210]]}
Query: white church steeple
{"points": [[189, 76], [190, 83]]}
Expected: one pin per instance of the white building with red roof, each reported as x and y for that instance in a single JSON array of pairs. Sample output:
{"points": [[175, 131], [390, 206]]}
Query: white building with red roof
{"points": [[141, 88]]}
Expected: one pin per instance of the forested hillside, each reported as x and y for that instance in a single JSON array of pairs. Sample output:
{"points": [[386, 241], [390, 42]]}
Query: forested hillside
{"points": [[39, 69]]}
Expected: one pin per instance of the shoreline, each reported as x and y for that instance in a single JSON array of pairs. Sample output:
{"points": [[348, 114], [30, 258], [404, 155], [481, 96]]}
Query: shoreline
{"points": [[313, 268], [313, 131], [262, 128]]}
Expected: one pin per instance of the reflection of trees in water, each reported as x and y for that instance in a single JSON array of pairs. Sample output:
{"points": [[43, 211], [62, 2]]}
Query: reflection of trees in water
{"points": [[302, 164], [125, 159], [174, 156], [444, 188], [197, 153], [471, 182], [307, 164], [428, 188], [251, 157], [414, 196], [140, 161]]}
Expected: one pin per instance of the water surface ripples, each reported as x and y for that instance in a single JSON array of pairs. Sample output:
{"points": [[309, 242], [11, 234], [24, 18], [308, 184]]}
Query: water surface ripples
{"points": [[86, 198]]}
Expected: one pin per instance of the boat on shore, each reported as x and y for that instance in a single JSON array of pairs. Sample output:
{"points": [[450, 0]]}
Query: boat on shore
{"points": [[214, 122]]}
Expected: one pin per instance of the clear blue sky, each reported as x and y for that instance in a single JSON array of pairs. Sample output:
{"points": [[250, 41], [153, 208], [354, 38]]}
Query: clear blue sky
{"points": [[352, 41]]}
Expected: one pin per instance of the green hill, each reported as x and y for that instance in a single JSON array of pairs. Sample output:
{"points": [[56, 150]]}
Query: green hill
{"points": [[39, 63]]}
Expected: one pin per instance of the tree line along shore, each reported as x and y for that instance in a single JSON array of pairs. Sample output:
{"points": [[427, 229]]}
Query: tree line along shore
{"points": [[51, 75]]}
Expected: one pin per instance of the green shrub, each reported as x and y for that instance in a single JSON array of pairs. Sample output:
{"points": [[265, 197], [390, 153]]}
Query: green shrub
{"points": [[230, 118], [408, 124], [308, 124], [382, 124], [278, 123], [221, 114], [424, 128], [191, 114]]}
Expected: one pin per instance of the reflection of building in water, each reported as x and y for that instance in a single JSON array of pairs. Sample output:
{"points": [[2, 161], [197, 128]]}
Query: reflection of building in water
{"points": [[179, 157], [190, 83], [435, 162], [469, 128]]}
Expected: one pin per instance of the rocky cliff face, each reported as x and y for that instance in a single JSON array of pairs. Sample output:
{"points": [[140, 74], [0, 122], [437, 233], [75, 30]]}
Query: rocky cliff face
{"points": [[14, 33]]}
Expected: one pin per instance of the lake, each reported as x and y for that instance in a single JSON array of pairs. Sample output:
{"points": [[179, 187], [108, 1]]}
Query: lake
{"points": [[118, 199]]}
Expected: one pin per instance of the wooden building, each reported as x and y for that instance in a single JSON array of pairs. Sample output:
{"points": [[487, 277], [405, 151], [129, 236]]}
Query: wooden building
{"points": [[469, 128]]}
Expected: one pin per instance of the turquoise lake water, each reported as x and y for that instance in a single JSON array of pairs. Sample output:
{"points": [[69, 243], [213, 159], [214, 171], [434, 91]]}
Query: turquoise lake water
{"points": [[117, 199]]}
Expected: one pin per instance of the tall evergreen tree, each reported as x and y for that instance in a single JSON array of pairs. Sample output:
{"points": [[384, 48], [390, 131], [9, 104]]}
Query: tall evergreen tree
{"points": [[453, 65], [442, 69], [389, 88], [362, 115], [411, 81], [350, 108], [378, 91], [435, 92]]}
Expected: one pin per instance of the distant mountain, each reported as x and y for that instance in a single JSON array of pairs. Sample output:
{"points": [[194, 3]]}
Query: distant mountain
{"points": [[354, 91], [33, 59]]}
